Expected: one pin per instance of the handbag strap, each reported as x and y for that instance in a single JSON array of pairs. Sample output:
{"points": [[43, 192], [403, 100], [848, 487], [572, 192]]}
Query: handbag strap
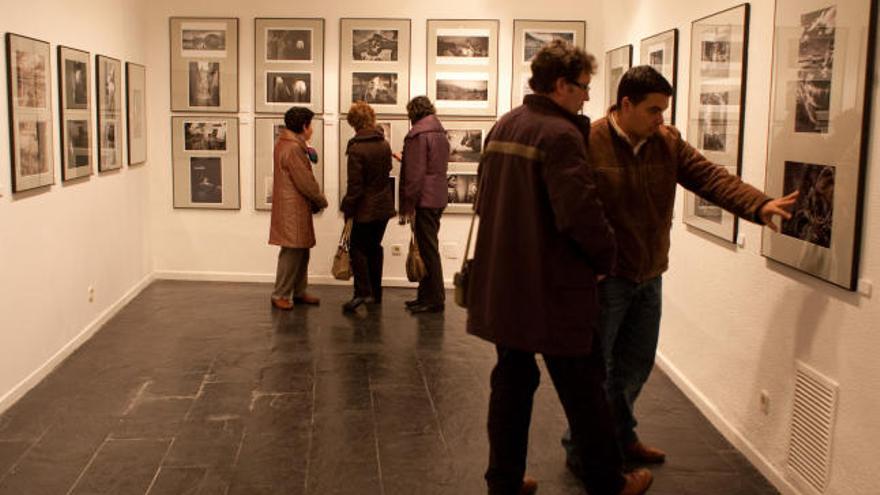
{"points": [[345, 237], [467, 247]]}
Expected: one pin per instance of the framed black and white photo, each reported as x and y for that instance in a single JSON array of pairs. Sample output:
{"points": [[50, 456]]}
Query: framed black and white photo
{"points": [[716, 107], [108, 82], [617, 62], [288, 64], [74, 96], [661, 52], [823, 59], [395, 130], [466, 138], [205, 162], [374, 64], [136, 105], [266, 132], [530, 36], [463, 66], [204, 64], [30, 112]]}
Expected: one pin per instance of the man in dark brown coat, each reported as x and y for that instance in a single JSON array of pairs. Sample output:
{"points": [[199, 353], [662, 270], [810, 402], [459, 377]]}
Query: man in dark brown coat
{"points": [[638, 162], [542, 244]]}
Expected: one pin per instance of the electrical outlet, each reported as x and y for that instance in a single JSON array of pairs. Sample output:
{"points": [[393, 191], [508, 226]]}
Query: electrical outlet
{"points": [[396, 250], [91, 293], [450, 250], [765, 402]]}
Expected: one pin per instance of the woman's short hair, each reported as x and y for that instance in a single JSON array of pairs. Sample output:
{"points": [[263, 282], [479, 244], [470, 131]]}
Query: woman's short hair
{"points": [[419, 108], [559, 59], [361, 116], [296, 119]]}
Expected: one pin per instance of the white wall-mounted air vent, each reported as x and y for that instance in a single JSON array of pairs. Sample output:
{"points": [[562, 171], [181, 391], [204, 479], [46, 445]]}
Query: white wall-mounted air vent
{"points": [[812, 427]]}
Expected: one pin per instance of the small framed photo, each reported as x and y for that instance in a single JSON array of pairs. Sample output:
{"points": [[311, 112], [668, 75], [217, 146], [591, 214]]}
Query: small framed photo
{"points": [[266, 132], [374, 64], [466, 138], [205, 161], [75, 79], [394, 129], [136, 104], [529, 36], [108, 79], [204, 64], [30, 112], [617, 62], [463, 66], [288, 64], [661, 52]]}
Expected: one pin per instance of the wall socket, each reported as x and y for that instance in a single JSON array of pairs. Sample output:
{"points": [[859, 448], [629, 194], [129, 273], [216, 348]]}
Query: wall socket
{"points": [[91, 293], [396, 250], [450, 250], [765, 401]]}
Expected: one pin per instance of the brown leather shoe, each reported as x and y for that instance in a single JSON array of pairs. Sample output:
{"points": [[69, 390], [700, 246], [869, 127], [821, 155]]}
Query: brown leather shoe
{"points": [[307, 299], [529, 486], [282, 303], [639, 452], [637, 482]]}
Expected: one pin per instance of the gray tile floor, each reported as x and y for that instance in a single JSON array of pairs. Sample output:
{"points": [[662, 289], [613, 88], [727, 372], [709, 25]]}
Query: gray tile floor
{"points": [[201, 388]]}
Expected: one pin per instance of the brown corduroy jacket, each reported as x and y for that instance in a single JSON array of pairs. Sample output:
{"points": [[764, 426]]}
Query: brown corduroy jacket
{"points": [[295, 194], [638, 193]]}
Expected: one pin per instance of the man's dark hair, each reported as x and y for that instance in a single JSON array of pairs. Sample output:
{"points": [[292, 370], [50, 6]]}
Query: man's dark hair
{"points": [[640, 81], [297, 119], [559, 59], [419, 107]]}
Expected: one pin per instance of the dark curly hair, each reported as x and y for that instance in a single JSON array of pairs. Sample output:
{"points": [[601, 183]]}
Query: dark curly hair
{"points": [[559, 59], [297, 119], [419, 108]]}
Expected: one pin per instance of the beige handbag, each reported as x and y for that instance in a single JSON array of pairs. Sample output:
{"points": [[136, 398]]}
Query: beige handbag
{"points": [[341, 268], [415, 265]]}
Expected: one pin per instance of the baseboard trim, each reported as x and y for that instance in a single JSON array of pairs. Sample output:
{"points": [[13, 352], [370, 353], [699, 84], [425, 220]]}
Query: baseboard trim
{"points": [[270, 277], [24, 386], [734, 436]]}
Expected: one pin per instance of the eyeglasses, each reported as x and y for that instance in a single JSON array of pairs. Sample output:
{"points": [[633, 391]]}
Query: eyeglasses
{"points": [[583, 86]]}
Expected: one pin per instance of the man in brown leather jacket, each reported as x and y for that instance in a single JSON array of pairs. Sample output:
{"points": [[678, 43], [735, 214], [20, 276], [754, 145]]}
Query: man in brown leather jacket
{"points": [[542, 244], [638, 163]]}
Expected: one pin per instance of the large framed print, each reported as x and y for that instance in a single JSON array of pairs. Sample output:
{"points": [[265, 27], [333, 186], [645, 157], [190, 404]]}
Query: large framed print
{"points": [[716, 107], [374, 64], [466, 138], [463, 67], [395, 131], [823, 61], [75, 110], [204, 64], [529, 36], [205, 161], [108, 79], [617, 62], [266, 132], [28, 83], [136, 112], [661, 52], [288, 64]]}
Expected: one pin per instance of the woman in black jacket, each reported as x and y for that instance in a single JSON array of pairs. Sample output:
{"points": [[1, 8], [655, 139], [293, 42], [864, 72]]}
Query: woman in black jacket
{"points": [[369, 201]]}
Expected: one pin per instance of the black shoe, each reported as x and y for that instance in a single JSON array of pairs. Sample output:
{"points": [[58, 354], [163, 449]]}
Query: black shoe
{"points": [[414, 302], [352, 305], [427, 308], [372, 301]]}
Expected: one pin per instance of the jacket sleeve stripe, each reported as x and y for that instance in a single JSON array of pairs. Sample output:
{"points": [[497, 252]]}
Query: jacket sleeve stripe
{"points": [[516, 149]]}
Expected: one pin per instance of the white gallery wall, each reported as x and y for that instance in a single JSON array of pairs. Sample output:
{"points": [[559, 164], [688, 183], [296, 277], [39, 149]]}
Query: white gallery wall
{"points": [[735, 323], [58, 241]]}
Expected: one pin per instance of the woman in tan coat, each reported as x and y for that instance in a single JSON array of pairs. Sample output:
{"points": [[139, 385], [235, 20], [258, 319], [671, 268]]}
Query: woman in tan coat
{"points": [[296, 196]]}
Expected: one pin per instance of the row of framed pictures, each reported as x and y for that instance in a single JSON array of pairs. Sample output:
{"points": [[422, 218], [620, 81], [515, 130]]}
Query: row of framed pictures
{"points": [[205, 156], [823, 59], [374, 63], [31, 117]]}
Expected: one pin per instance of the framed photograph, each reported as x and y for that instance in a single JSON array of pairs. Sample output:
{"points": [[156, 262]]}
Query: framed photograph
{"points": [[136, 106], [530, 36], [716, 107], [466, 138], [374, 64], [617, 62], [661, 52], [108, 79], [823, 58], [205, 162], [204, 64], [28, 81], [267, 130], [463, 67], [75, 109], [395, 130], [288, 64]]}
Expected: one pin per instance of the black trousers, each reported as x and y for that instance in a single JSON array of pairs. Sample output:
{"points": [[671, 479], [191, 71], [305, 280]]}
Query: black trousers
{"points": [[367, 258], [427, 227], [578, 381]]}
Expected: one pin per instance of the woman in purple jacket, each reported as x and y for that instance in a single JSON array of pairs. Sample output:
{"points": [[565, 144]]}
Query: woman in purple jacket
{"points": [[423, 196]]}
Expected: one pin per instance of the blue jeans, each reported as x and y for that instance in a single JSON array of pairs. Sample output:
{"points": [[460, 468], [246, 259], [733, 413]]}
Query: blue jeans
{"points": [[630, 328]]}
